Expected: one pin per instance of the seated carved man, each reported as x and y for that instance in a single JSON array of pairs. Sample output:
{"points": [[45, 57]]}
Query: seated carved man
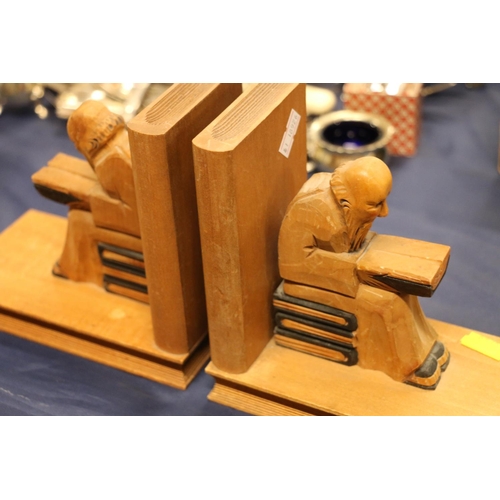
{"points": [[102, 138], [328, 255], [103, 244]]}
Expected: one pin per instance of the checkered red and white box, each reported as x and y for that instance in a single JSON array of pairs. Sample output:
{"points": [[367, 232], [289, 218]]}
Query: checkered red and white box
{"points": [[402, 110]]}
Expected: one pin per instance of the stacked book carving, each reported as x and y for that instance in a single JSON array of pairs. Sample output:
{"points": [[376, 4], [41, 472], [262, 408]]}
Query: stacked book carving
{"points": [[315, 328], [124, 271]]}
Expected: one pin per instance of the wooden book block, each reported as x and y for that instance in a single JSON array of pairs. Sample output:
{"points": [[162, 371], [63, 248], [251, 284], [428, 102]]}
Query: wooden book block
{"points": [[250, 162], [314, 329], [316, 347], [162, 160], [313, 311], [66, 179], [404, 265]]}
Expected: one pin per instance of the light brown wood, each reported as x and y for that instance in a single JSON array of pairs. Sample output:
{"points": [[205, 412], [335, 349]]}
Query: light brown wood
{"points": [[80, 318], [122, 259], [104, 244], [244, 184], [140, 280], [420, 264], [286, 382], [101, 137], [296, 325], [160, 140], [326, 227], [69, 176], [100, 195], [127, 292], [80, 259], [297, 309], [72, 165], [306, 347], [327, 255], [392, 332]]}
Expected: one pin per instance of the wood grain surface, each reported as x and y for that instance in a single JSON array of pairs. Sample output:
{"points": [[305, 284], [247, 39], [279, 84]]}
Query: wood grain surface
{"points": [[80, 318], [286, 382], [244, 184], [161, 147]]}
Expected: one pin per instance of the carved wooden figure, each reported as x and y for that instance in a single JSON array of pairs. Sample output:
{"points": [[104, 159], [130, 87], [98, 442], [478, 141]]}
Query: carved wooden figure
{"points": [[103, 243], [349, 294], [132, 229]]}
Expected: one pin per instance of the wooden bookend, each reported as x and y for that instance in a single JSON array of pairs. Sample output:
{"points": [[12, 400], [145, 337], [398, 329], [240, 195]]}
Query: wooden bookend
{"points": [[349, 297], [80, 318], [132, 229], [161, 147], [249, 164]]}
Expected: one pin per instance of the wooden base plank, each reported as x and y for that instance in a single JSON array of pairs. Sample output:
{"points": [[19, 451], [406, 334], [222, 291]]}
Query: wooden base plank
{"points": [[286, 382], [80, 318]]}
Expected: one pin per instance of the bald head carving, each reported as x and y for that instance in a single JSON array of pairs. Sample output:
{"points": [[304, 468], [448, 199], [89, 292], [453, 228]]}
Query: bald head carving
{"points": [[91, 126], [361, 188]]}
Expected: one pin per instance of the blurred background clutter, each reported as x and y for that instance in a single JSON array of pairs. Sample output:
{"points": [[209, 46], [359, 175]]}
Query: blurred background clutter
{"points": [[124, 99], [345, 121]]}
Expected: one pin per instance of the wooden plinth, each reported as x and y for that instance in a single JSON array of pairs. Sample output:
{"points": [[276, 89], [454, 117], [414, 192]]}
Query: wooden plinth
{"points": [[80, 318], [287, 382]]}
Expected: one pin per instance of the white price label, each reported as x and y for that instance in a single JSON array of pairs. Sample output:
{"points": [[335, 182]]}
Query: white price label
{"points": [[291, 130]]}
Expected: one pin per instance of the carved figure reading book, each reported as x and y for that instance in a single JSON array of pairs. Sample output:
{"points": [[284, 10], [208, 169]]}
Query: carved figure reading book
{"points": [[349, 294], [103, 244]]}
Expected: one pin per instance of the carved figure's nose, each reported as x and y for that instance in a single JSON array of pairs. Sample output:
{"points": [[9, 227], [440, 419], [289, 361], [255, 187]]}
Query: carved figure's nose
{"points": [[384, 211]]}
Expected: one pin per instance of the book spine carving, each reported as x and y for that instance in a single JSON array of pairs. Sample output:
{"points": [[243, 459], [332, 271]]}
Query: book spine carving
{"points": [[124, 271], [315, 328]]}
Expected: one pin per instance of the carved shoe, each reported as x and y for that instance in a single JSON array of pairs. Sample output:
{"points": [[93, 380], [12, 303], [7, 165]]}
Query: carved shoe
{"points": [[441, 354], [428, 375]]}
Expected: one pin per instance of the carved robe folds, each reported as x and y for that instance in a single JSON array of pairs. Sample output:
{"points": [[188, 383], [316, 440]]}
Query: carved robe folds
{"points": [[377, 283]]}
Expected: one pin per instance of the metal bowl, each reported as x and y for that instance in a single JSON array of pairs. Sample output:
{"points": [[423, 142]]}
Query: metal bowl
{"points": [[342, 136]]}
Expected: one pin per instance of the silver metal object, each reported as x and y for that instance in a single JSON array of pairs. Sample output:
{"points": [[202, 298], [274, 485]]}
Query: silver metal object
{"points": [[341, 136], [22, 96], [123, 99]]}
